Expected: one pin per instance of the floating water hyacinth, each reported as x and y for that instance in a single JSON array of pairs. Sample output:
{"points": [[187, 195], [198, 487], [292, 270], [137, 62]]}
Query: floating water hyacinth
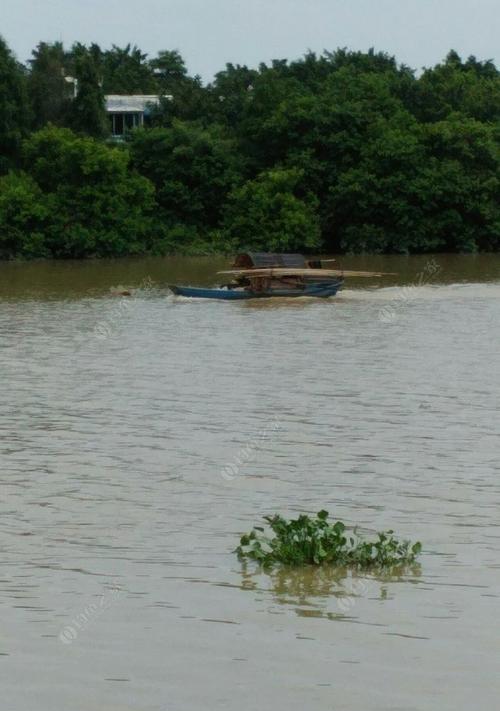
{"points": [[317, 541]]}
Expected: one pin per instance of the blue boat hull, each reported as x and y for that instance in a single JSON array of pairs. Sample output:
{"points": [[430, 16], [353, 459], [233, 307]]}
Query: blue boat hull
{"points": [[318, 290]]}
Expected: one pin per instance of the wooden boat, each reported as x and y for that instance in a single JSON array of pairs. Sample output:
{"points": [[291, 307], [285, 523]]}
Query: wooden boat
{"points": [[323, 290], [258, 275]]}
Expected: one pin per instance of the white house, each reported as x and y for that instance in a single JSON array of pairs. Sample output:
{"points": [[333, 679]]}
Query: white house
{"points": [[128, 111]]}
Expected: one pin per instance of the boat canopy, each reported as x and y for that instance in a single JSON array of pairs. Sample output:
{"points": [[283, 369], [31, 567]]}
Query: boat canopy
{"points": [[268, 260]]}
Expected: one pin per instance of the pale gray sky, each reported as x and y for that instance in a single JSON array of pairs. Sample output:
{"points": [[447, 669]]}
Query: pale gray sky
{"points": [[210, 33]]}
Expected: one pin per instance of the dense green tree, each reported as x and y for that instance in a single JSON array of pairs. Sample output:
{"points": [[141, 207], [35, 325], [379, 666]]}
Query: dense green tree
{"points": [[268, 214], [50, 94], [88, 112], [323, 135], [231, 93], [192, 168], [421, 188], [340, 151], [169, 69], [267, 94], [466, 155], [485, 69], [127, 71], [14, 108], [80, 199], [312, 70], [189, 100], [23, 218], [471, 88]]}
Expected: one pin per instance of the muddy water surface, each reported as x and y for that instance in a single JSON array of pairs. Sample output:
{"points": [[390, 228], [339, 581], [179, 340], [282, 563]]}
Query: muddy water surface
{"points": [[140, 436]]}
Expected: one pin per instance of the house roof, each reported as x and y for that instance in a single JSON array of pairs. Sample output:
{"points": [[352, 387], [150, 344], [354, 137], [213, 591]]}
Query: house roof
{"points": [[130, 103]]}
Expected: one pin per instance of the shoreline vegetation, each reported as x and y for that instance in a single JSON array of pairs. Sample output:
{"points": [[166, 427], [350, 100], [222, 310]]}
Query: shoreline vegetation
{"points": [[343, 152]]}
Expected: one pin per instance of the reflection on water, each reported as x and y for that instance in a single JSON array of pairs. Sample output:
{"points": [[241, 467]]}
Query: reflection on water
{"points": [[314, 591], [118, 416]]}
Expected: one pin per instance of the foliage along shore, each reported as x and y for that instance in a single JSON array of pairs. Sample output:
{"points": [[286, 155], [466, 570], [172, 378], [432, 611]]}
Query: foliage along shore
{"points": [[342, 152]]}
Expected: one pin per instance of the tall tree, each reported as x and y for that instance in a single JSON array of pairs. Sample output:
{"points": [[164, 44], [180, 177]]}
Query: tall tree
{"points": [[170, 69], [24, 218], [82, 196], [471, 88], [14, 107], [88, 112], [127, 71], [50, 94], [181, 96], [192, 168], [269, 213], [232, 91]]}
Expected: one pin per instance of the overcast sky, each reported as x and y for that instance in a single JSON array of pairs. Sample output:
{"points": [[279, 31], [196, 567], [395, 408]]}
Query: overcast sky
{"points": [[210, 33]]}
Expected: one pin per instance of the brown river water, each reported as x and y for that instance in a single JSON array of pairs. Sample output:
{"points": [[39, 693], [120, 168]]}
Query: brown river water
{"points": [[140, 436]]}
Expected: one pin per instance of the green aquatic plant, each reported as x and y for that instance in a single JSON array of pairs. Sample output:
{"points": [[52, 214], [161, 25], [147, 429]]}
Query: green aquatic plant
{"points": [[317, 541]]}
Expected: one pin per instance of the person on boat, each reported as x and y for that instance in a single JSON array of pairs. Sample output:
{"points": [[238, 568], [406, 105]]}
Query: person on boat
{"points": [[287, 282], [260, 284], [239, 283]]}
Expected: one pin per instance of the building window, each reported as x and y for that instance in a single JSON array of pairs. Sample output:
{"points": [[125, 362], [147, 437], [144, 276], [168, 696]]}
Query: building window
{"points": [[121, 123], [117, 124], [131, 121]]}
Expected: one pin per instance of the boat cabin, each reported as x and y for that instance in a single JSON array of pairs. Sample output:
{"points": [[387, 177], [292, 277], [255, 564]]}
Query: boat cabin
{"points": [[264, 264], [273, 260], [269, 260]]}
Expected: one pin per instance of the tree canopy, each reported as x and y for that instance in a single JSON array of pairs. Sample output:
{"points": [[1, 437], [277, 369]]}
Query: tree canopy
{"points": [[14, 107], [49, 90], [87, 112], [75, 198], [343, 151]]}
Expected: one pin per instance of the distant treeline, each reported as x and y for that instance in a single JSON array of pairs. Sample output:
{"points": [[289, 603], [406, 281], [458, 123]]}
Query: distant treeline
{"points": [[343, 152]]}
